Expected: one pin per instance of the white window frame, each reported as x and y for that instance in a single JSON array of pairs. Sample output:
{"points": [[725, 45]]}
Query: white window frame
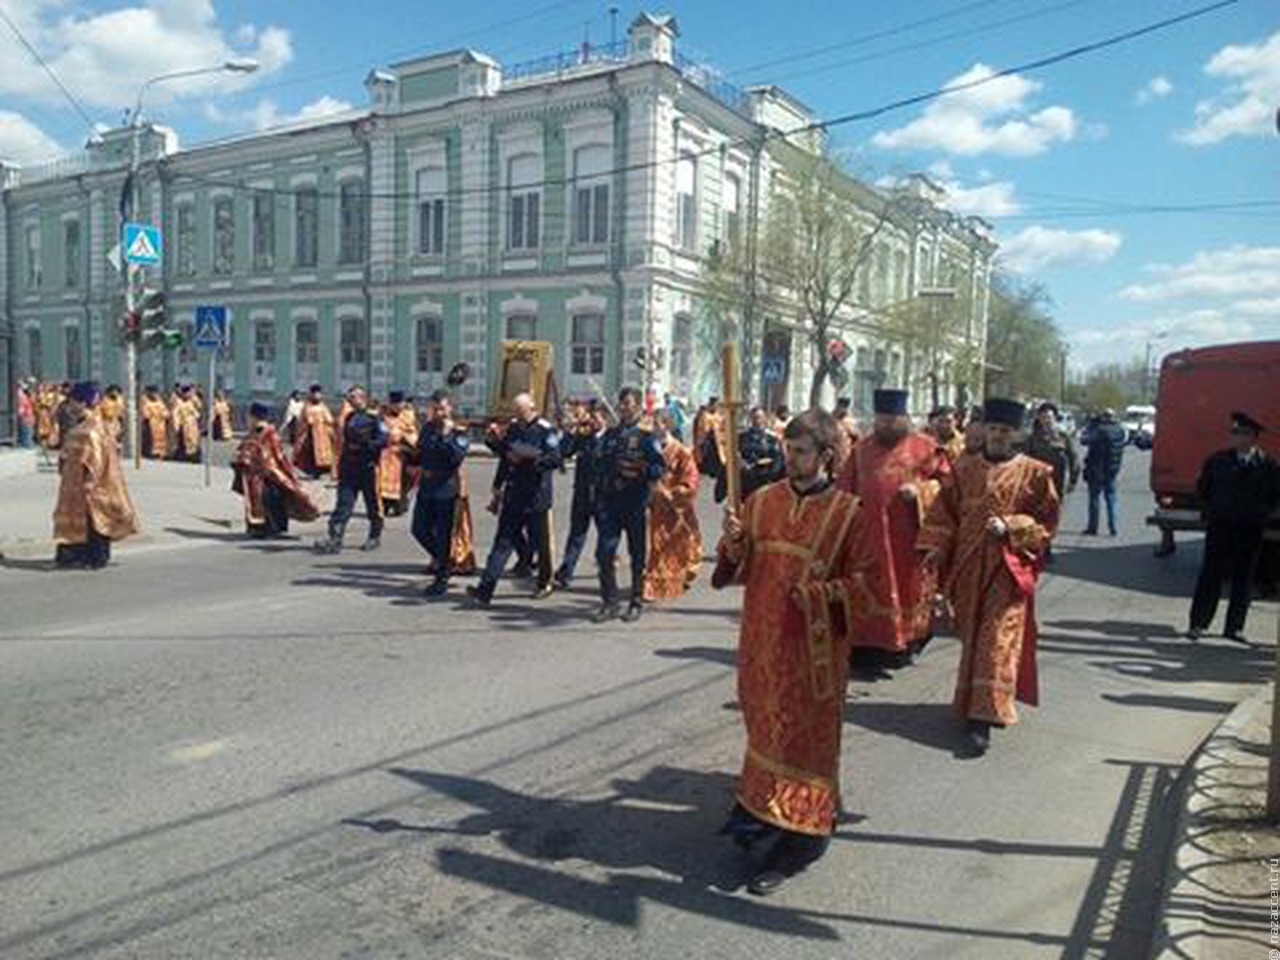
{"points": [[432, 205], [359, 246], [216, 240], [262, 257], [306, 371], [524, 203], [591, 195], [353, 371], [301, 191], [586, 356], [263, 375], [33, 253], [687, 194]]}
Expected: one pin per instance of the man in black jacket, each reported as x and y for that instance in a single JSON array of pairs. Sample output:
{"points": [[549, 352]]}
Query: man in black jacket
{"points": [[530, 453], [1240, 489], [363, 437], [1104, 443]]}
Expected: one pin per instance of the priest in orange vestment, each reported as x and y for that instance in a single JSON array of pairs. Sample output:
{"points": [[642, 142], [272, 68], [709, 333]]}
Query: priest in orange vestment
{"points": [[186, 425], [155, 424], [93, 505], [894, 473], [795, 549], [267, 481], [675, 542], [987, 533], [402, 444], [222, 427], [314, 451]]}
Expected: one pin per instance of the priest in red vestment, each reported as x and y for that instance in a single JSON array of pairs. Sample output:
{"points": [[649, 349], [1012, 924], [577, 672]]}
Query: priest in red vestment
{"points": [[986, 534], [894, 473], [267, 481], [795, 549]]}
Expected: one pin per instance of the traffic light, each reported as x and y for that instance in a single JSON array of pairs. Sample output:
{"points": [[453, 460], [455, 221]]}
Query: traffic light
{"points": [[150, 306]]}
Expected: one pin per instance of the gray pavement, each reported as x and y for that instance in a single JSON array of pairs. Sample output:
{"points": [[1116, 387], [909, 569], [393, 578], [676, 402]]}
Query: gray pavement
{"points": [[219, 748]]}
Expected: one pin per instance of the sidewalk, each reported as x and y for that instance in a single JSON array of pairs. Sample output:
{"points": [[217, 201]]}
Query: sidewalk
{"points": [[171, 499], [1218, 899]]}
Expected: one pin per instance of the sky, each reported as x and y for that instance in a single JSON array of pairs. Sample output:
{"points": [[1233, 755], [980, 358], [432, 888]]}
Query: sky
{"points": [[1140, 185]]}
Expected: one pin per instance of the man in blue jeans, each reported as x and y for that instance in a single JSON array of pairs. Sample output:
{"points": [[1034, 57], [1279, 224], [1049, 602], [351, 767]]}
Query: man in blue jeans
{"points": [[1104, 443]]}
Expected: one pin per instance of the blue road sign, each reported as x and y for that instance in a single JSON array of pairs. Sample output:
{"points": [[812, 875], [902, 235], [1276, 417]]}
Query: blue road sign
{"points": [[211, 327], [773, 370], [143, 244]]}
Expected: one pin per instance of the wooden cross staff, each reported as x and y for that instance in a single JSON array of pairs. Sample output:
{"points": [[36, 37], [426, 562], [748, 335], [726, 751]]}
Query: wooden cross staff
{"points": [[732, 403]]}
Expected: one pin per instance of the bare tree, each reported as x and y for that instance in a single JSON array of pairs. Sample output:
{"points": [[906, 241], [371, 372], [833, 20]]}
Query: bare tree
{"points": [[936, 331], [815, 243]]}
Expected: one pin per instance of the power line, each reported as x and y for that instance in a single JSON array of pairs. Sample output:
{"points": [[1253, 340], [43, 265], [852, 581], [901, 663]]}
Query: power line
{"points": [[892, 106], [863, 38], [71, 98]]}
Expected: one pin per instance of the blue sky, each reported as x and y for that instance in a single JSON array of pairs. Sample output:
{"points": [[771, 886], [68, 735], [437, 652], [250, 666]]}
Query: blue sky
{"points": [[1053, 158]]}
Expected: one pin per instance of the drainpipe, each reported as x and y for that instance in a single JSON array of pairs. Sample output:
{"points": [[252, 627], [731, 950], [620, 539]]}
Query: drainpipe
{"points": [[360, 132], [86, 241], [617, 248]]}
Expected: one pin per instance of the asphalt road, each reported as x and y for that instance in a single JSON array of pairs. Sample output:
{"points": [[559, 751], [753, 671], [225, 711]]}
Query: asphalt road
{"points": [[219, 748]]}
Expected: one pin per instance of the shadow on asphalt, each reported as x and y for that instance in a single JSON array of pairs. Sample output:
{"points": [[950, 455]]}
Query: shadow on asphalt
{"points": [[725, 656], [1188, 704], [1168, 660], [667, 821], [1129, 566], [932, 725]]}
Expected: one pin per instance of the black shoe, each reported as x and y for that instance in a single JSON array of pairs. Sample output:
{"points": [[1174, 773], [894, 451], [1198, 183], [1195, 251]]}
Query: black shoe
{"points": [[633, 612], [605, 612], [327, 547], [522, 571], [1195, 633], [788, 858], [372, 544], [479, 598], [978, 738], [1235, 636], [1088, 533], [561, 580], [542, 592], [436, 588]]}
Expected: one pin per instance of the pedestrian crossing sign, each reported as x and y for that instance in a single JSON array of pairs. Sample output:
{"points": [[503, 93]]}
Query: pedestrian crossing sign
{"points": [[142, 244], [211, 327]]}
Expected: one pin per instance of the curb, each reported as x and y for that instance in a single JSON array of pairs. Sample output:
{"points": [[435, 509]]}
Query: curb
{"points": [[1182, 934]]}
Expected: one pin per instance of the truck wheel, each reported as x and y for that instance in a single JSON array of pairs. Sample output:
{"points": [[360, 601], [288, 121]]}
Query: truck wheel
{"points": [[1166, 547]]}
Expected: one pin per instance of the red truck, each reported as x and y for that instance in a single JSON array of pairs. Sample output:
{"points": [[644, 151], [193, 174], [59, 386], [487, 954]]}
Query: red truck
{"points": [[1198, 390]]}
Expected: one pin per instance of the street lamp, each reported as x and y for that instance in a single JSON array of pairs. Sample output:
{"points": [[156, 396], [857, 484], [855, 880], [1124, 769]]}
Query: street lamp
{"points": [[235, 65]]}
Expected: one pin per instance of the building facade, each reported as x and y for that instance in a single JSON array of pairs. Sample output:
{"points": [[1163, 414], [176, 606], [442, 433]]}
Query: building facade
{"points": [[572, 200]]}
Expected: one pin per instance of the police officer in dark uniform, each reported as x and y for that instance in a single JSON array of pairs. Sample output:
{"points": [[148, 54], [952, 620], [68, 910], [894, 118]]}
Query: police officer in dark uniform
{"points": [[761, 454], [363, 437], [1240, 489], [630, 463], [581, 442], [442, 449], [530, 453]]}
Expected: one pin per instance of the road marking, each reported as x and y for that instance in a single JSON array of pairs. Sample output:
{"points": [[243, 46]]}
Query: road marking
{"points": [[194, 752]]}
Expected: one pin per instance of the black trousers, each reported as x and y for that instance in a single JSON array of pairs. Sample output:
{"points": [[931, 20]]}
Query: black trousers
{"points": [[1230, 552], [275, 504], [613, 519], [432, 527], [581, 513], [94, 553], [351, 485], [513, 522]]}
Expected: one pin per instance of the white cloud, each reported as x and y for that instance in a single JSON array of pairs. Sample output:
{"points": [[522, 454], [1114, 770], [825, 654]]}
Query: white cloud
{"points": [[1037, 248], [23, 142], [1258, 307], [1246, 107], [104, 57], [1166, 333], [992, 118], [1157, 88], [1234, 272], [991, 199], [267, 113]]}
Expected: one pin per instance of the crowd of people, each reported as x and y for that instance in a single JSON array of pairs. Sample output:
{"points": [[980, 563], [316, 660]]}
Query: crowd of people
{"points": [[852, 547]]}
